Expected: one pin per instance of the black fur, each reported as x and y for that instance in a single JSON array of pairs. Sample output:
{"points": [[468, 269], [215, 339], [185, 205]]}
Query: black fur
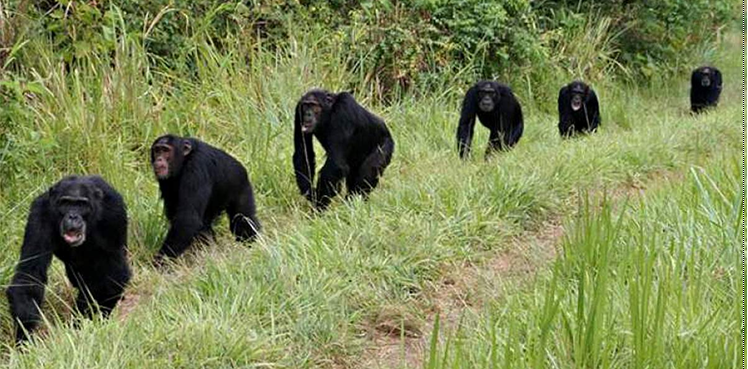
{"points": [[358, 144], [98, 267], [207, 182], [703, 97], [584, 120], [504, 121]]}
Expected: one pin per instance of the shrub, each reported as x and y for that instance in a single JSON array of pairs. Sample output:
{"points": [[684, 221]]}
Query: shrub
{"points": [[394, 45]]}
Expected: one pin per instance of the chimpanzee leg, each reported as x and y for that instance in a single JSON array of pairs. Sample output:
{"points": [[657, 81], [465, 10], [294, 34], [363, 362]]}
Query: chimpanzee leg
{"points": [[372, 168], [329, 182], [495, 143], [101, 287], [242, 219]]}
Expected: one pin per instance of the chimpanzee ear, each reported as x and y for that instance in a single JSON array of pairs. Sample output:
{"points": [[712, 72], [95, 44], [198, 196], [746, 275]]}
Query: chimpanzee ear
{"points": [[186, 147], [331, 98], [98, 193]]}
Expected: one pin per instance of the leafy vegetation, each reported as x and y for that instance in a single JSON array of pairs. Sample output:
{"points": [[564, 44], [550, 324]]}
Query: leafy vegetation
{"points": [[314, 289], [399, 44]]}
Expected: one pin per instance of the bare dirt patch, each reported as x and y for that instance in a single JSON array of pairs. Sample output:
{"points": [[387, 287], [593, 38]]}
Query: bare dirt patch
{"points": [[128, 304]]}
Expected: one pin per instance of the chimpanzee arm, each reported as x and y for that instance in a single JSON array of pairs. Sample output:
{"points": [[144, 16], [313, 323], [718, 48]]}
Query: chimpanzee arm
{"points": [[334, 170], [467, 122], [303, 158], [26, 291], [517, 125], [194, 194], [593, 107], [564, 115]]}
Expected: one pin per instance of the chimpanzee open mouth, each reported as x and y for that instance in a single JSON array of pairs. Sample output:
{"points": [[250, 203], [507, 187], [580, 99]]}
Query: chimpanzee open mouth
{"points": [[576, 104], [74, 237]]}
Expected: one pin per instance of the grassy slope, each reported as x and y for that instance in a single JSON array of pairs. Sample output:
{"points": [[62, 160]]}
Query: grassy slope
{"points": [[307, 293], [654, 283]]}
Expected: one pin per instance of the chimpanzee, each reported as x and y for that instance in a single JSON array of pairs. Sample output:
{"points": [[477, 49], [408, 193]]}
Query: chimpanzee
{"points": [[706, 85], [83, 221], [198, 182], [498, 110], [358, 144], [578, 109]]}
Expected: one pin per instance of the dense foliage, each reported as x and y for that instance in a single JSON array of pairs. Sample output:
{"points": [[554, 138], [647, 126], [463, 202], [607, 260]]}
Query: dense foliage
{"points": [[395, 44]]}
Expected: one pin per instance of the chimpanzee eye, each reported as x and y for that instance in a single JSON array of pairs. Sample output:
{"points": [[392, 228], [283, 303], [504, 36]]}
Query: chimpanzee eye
{"points": [[161, 149], [71, 201]]}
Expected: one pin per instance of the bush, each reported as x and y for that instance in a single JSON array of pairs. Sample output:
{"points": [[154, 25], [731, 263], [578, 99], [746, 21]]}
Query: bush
{"points": [[397, 44], [653, 35]]}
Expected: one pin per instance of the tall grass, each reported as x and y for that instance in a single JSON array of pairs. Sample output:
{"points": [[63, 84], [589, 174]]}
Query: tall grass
{"points": [[654, 283], [312, 289]]}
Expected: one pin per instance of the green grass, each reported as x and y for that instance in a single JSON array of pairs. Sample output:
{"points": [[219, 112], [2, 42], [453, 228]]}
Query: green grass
{"points": [[655, 283], [310, 291]]}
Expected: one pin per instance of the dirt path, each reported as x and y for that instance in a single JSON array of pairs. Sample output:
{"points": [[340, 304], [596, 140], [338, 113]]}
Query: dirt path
{"points": [[463, 288], [466, 288], [451, 296]]}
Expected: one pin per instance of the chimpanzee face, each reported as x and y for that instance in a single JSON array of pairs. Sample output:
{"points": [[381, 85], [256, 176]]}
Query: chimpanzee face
{"points": [[76, 204], [576, 101], [578, 95], [311, 113], [315, 106], [167, 156], [706, 77], [488, 98]]}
